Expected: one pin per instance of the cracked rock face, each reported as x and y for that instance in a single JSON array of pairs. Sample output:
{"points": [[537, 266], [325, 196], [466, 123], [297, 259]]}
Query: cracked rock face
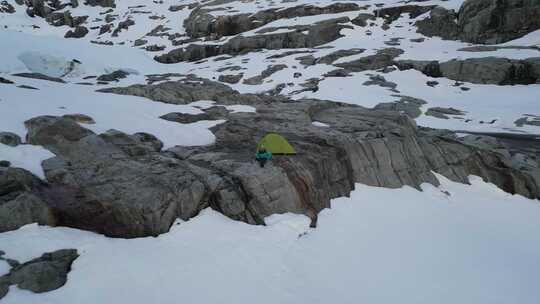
{"points": [[483, 21], [201, 23], [308, 36], [124, 186]]}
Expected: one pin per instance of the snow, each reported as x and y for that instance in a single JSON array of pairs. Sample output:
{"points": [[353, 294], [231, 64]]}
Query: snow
{"points": [[128, 114], [241, 109], [320, 124], [28, 157], [476, 245]]}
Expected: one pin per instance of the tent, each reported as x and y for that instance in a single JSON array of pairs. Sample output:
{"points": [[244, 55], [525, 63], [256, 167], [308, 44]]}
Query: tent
{"points": [[276, 144]]}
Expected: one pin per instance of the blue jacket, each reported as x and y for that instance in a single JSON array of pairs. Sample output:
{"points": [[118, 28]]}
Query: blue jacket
{"points": [[263, 155]]}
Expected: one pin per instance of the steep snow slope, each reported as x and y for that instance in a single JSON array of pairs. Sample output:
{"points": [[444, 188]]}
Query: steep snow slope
{"points": [[473, 244]]}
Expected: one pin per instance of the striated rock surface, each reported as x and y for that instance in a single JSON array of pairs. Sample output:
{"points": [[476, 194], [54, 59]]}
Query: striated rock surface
{"points": [[124, 186], [488, 70], [201, 22], [484, 21], [308, 36]]}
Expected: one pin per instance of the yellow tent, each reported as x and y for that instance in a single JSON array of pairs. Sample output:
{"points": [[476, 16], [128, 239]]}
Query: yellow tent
{"points": [[276, 144]]}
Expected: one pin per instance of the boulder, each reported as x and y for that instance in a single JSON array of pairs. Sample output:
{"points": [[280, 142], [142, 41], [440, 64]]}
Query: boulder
{"points": [[78, 32], [308, 36], [25, 209], [383, 58], [43, 274], [10, 139], [441, 22], [496, 21]]}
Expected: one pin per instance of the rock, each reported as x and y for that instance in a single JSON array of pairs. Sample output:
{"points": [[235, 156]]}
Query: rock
{"points": [[52, 132], [24, 209], [46, 273], [362, 19], [338, 73], [79, 32], [202, 23], [269, 71], [531, 120], [441, 22], [133, 191], [114, 76], [103, 3], [379, 80], [107, 28], [488, 70], [15, 182], [80, 118], [410, 106], [7, 8], [212, 113], [432, 83], [493, 21], [383, 58], [40, 76], [443, 112], [308, 36], [232, 79], [23, 86], [483, 21], [417, 40], [185, 118], [10, 139], [6, 81], [332, 57], [123, 186], [186, 91], [123, 25], [149, 140], [140, 42], [391, 14]]}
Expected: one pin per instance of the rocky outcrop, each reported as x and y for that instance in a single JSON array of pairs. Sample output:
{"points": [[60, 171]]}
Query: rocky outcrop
{"points": [[46, 273], [391, 14], [489, 70], [10, 139], [7, 8], [496, 21], [269, 71], [484, 21], [78, 32], [124, 185], [308, 36], [201, 22], [186, 91], [383, 58], [441, 22], [113, 76], [103, 3], [40, 77], [137, 190]]}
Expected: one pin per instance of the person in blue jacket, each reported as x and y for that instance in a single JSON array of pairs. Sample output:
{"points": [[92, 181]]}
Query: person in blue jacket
{"points": [[262, 156]]}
